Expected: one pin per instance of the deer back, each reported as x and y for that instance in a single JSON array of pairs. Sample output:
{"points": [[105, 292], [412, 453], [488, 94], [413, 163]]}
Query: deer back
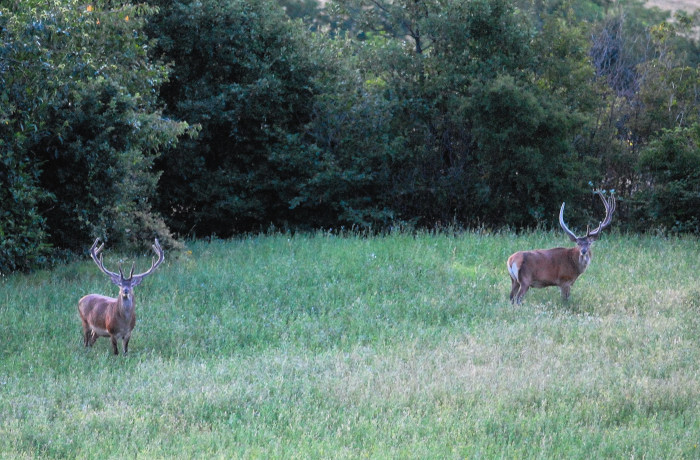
{"points": [[546, 267]]}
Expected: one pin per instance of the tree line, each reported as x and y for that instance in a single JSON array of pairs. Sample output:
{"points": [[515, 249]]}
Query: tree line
{"points": [[183, 118]]}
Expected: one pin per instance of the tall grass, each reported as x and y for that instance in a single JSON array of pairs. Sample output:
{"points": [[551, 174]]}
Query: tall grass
{"points": [[402, 346]]}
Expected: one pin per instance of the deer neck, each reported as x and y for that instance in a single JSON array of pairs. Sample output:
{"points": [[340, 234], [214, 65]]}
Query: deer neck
{"points": [[125, 306]]}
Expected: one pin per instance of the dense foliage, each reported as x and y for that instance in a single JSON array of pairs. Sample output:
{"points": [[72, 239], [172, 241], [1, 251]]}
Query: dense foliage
{"points": [[672, 164], [204, 117], [458, 129], [79, 128], [242, 72]]}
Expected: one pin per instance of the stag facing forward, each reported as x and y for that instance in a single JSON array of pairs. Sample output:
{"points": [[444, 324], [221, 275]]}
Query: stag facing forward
{"points": [[104, 316], [558, 266]]}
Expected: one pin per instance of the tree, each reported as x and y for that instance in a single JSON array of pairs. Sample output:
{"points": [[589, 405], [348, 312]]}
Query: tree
{"points": [[461, 97], [242, 72], [80, 126], [645, 86], [671, 165], [312, 12], [351, 152]]}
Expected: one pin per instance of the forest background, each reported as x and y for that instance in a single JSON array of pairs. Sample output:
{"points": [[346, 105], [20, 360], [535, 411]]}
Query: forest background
{"points": [[187, 119]]}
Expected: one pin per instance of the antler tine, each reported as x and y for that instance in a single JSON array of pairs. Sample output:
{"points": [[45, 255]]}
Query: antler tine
{"points": [[613, 205], [154, 263], [610, 206], [572, 235], [99, 260], [131, 273], [94, 245]]}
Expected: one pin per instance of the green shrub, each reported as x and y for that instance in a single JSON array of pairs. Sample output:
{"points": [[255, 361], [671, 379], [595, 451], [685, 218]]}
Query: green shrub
{"points": [[241, 71], [671, 163], [80, 127]]}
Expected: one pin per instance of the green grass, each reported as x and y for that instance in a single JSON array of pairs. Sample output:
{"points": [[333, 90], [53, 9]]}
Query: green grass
{"points": [[391, 347]]}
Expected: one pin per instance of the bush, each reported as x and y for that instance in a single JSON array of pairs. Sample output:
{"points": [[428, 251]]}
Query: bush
{"points": [[80, 127], [467, 132], [671, 165], [242, 72]]}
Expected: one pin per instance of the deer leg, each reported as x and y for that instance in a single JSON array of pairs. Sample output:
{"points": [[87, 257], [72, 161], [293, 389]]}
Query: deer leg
{"points": [[523, 289], [514, 287], [86, 333], [115, 349], [126, 344], [565, 290]]}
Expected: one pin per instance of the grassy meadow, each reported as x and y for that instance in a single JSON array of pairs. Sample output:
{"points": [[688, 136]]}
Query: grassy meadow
{"points": [[402, 346]]}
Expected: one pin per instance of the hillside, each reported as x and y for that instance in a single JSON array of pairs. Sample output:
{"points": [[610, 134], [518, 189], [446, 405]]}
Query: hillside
{"points": [[673, 5]]}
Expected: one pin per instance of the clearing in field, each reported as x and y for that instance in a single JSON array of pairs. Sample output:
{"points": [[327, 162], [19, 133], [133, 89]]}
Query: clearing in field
{"points": [[403, 346]]}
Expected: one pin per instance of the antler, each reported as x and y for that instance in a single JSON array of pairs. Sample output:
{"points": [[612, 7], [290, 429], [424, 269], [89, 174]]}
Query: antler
{"points": [[136, 279], [94, 253], [610, 206], [116, 277], [572, 235]]}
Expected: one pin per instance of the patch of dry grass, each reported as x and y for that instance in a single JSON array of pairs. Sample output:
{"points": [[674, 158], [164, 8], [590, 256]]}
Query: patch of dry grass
{"points": [[674, 5]]}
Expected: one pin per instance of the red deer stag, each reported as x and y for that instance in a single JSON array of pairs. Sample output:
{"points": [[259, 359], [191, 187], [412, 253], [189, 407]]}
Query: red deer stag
{"points": [[558, 266], [114, 318]]}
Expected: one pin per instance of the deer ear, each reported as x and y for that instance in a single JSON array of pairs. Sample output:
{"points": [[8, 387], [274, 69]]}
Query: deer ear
{"points": [[116, 280], [136, 281]]}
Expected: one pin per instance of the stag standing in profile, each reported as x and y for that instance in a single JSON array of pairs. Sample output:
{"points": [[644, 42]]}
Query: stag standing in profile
{"points": [[558, 266], [108, 317]]}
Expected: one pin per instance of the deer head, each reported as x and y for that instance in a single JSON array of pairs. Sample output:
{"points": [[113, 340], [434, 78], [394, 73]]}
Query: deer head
{"points": [[585, 243], [126, 285]]}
